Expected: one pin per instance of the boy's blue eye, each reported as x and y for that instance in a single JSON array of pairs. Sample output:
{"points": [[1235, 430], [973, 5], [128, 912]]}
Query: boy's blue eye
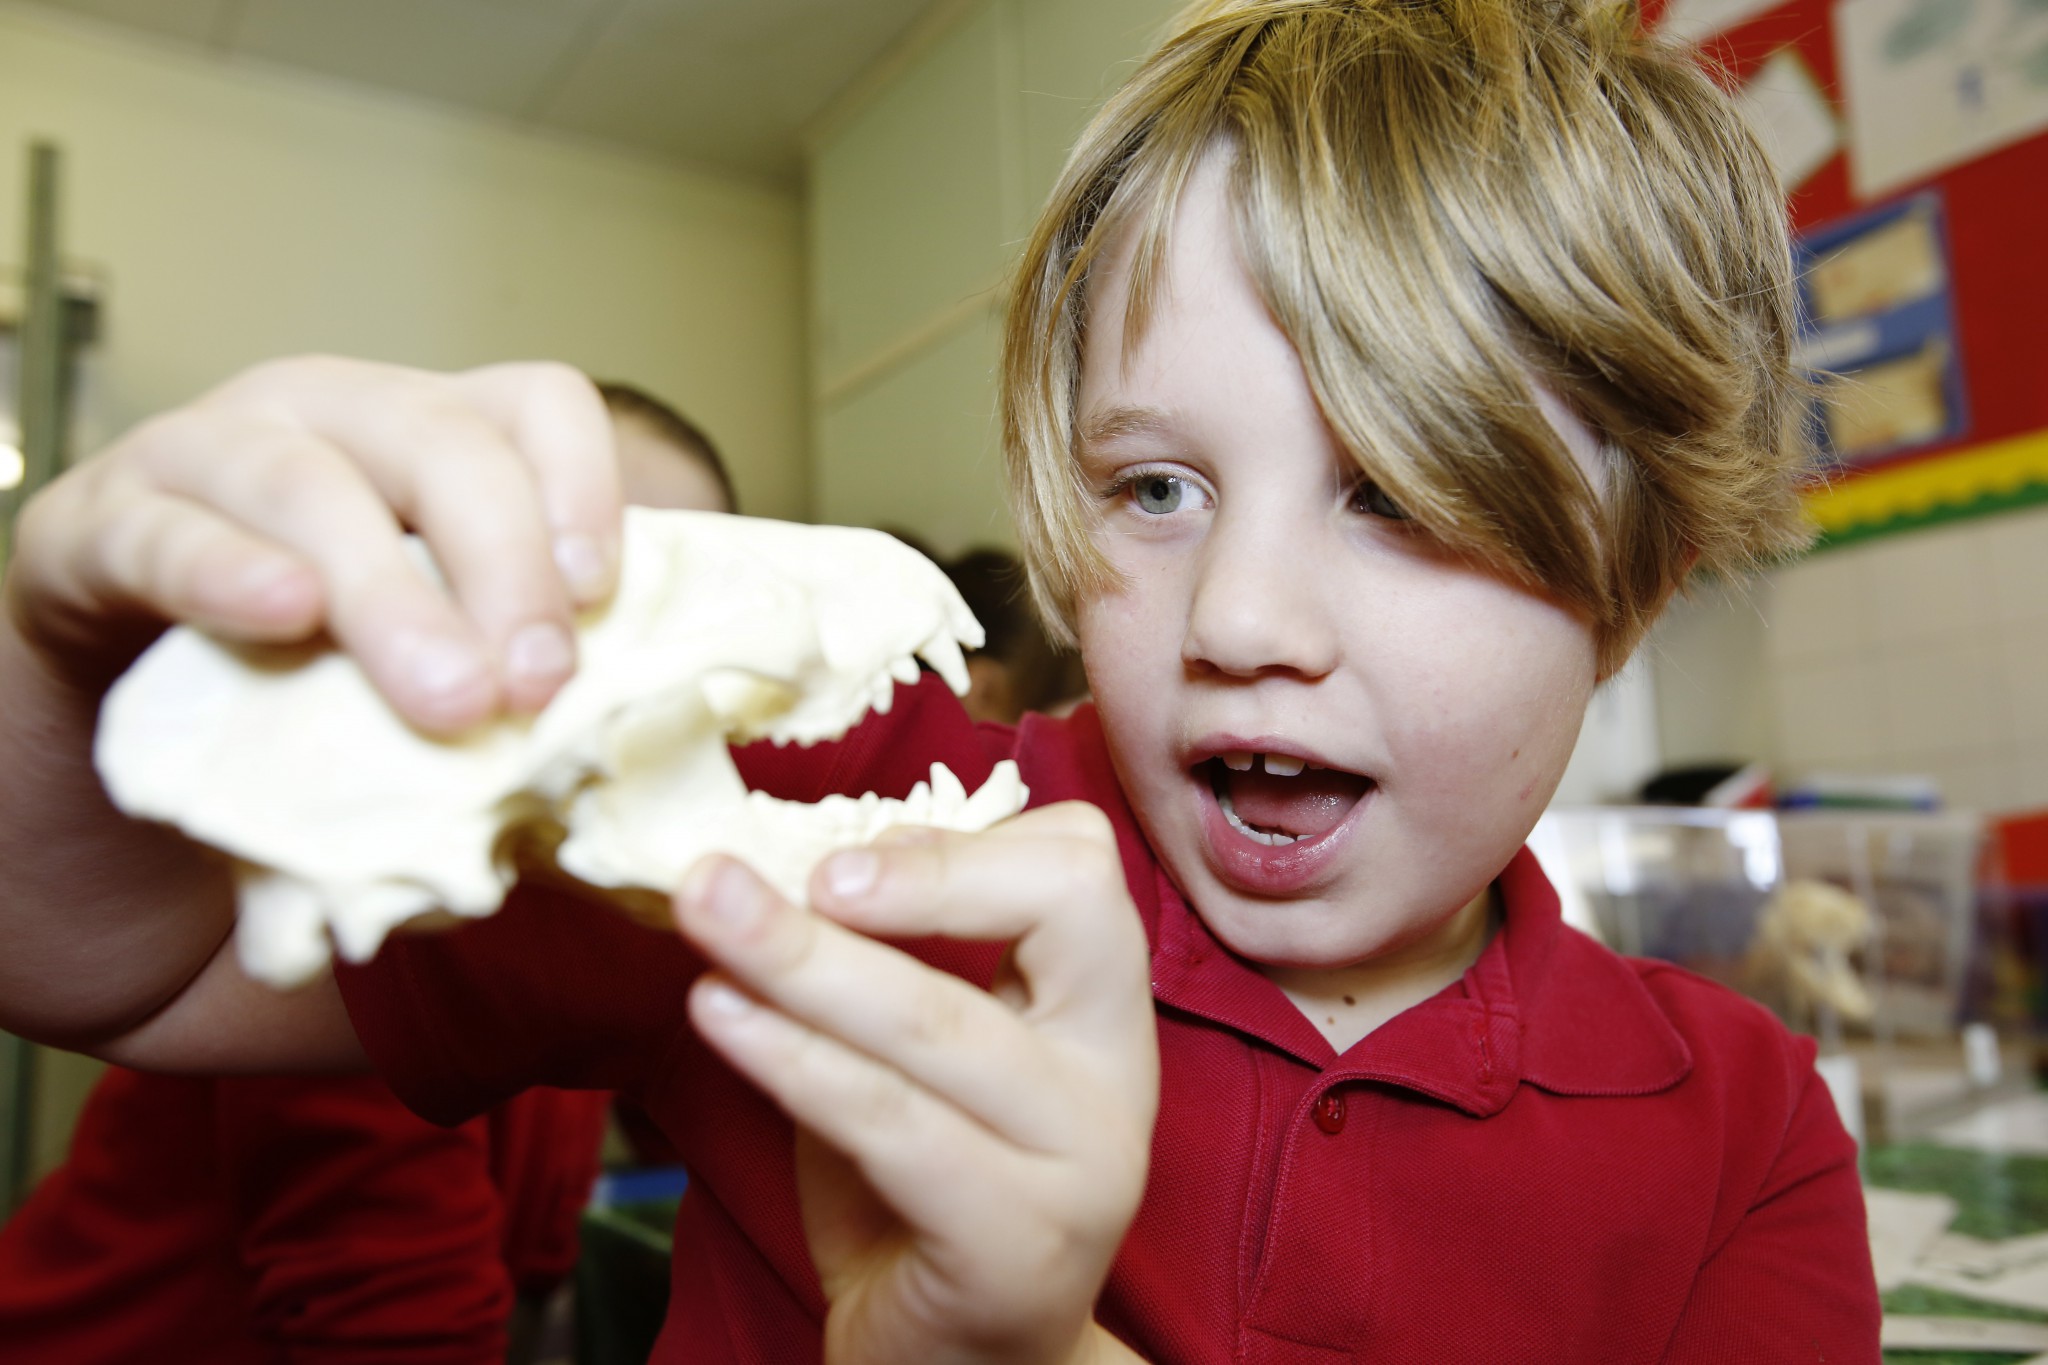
{"points": [[1368, 497], [1158, 494]]}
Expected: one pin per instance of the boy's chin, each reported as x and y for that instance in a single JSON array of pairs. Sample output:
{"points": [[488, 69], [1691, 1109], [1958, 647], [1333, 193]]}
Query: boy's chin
{"points": [[1292, 935]]}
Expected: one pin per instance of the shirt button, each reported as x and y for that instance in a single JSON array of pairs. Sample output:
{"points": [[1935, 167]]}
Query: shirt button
{"points": [[1329, 1113]]}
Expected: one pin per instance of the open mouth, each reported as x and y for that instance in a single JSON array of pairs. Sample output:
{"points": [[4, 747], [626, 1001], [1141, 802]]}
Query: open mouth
{"points": [[1279, 800]]}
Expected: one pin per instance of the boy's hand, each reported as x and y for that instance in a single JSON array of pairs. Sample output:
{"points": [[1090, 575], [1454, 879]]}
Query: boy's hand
{"points": [[968, 1162], [273, 508]]}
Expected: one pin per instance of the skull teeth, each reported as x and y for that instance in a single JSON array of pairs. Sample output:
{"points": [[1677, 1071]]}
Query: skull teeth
{"points": [[942, 652]]}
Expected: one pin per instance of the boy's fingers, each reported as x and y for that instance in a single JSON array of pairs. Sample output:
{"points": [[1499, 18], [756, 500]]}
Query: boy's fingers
{"points": [[558, 423], [1051, 879], [931, 1163], [476, 506], [945, 1035], [178, 561], [451, 474], [286, 486]]}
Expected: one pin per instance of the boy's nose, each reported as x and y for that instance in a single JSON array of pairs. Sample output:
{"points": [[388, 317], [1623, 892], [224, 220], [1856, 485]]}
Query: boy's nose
{"points": [[1260, 605]]}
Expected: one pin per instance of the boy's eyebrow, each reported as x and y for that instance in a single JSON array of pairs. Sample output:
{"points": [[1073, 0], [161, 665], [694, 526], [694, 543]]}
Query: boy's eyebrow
{"points": [[1107, 424]]}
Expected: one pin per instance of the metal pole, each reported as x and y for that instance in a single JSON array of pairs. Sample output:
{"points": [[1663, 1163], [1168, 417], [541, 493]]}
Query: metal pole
{"points": [[40, 408], [41, 403]]}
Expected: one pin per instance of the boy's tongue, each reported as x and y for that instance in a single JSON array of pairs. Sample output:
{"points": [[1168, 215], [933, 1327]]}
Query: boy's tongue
{"points": [[1306, 805]]}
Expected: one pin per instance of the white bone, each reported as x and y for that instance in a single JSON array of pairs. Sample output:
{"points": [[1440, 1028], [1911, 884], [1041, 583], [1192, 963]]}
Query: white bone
{"points": [[345, 822]]}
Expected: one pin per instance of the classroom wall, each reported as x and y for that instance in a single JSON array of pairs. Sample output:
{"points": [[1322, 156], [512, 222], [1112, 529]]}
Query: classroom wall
{"points": [[237, 212], [922, 185], [1924, 653]]}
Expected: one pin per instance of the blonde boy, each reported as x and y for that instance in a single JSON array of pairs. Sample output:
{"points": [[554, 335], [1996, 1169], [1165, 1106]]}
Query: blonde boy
{"points": [[1377, 372]]}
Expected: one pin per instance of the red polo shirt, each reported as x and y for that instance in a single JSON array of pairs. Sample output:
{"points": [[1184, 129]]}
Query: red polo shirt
{"points": [[265, 1220], [1565, 1156]]}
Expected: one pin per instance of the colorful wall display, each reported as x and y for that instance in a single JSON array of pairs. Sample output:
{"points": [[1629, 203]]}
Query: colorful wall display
{"points": [[1959, 425], [1880, 332]]}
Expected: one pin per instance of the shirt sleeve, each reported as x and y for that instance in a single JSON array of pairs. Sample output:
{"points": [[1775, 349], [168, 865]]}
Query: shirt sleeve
{"points": [[365, 1232], [1793, 1281], [544, 1159], [561, 990]]}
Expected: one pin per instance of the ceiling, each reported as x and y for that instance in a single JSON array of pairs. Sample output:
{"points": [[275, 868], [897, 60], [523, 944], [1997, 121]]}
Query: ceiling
{"points": [[725, 83]]}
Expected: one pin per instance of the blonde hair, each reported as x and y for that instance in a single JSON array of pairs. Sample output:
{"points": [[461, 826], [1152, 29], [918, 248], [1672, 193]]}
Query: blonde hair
{"points": [[1443, 203]]}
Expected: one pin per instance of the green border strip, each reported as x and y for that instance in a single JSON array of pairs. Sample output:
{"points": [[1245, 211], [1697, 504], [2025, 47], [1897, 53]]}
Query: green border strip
{"points": [[1984, 505]]}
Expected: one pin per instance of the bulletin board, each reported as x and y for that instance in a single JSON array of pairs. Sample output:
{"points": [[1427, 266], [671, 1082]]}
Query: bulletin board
{"points": [[1881, 112]]}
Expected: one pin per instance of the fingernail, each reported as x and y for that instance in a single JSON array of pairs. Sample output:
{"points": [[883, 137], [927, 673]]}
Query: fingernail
{"points": [[719, 998], [733, 898], [540, 652], [852, 873], [697, 885], [585, 567], [443, 668]]}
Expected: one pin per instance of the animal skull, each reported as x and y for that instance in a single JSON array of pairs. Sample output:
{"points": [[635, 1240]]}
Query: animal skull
{"points": [[342, 820]]}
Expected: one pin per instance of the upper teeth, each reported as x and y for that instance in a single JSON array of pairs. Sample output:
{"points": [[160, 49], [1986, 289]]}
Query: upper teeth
{"points": [[1279, 765]]}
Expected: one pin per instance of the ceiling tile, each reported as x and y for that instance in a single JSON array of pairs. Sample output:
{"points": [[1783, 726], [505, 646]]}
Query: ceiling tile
{"points": [[192, 20], [493, 55], [723, 81]]}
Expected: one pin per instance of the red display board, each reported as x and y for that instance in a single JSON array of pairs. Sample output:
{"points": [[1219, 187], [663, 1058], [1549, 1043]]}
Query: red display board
{"points": [[1996, 208]]}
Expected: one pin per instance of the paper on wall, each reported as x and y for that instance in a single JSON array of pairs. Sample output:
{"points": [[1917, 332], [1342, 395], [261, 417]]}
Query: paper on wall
{"points": [[1791, 117], [1931, 83]]}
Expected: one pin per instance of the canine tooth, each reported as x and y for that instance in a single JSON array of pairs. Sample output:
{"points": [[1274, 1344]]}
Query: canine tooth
{"points": [[942, 652], [1280, 765], [949, 794], [1237, 760]]}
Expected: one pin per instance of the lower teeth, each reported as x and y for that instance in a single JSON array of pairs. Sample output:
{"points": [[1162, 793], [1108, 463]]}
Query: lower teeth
{"points": [[1258, 835]]}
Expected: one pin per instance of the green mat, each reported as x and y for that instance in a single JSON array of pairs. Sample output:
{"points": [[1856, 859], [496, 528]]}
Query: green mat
{"points": [[1996, 1196]]}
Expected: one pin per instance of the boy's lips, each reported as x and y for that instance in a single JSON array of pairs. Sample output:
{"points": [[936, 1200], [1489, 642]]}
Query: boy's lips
{"points": [[1273, 816]]}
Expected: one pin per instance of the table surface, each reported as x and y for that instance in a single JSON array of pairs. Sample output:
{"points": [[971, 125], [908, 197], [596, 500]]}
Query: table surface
{"points": [[1959, 1223]]}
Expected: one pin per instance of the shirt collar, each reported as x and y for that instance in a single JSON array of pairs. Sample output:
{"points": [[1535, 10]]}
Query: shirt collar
{"points": [[1543, 1004]]}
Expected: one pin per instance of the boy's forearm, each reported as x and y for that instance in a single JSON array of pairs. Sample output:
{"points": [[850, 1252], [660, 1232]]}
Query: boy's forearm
{"points": [[102, 919]]}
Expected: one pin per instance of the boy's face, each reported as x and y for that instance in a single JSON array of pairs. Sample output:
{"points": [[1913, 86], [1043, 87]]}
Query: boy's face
{"points": [[1271, 605], [655, 472]]}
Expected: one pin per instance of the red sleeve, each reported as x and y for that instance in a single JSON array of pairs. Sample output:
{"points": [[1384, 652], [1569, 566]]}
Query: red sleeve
{"points": [[544, 1158], [126, 1250], [1793, 1280], [557, 991], [368, 1233]]}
